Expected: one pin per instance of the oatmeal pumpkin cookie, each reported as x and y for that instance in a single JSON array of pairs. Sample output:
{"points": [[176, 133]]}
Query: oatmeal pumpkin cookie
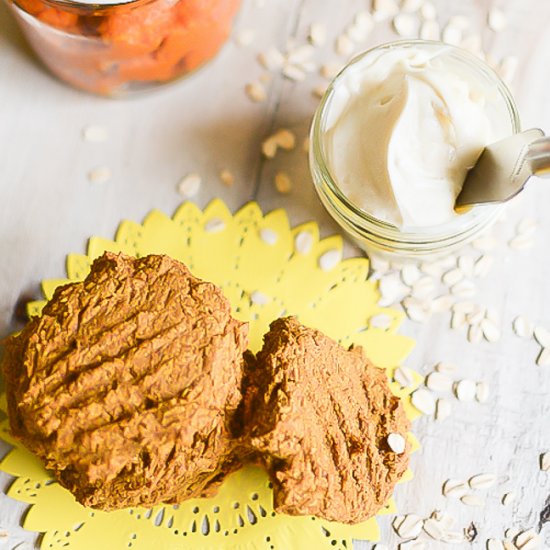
{"points": [[318, 417], [126, 385]]}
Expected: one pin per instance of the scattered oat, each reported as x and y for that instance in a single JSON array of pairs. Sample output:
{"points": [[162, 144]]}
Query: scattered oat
{"points": [[527, 226], [245, 37], [445, 368], [410, 274], [300, 55], [358, 33], [454, 488], [344, 45], [543, 359], [403, 376], [545, 462], [283, 183], [466, 265], [485, 243], [407, 527], [431, 268], [424, 401], [101, 174], [482, 392], [451, 35], [458, 320], [465, 390], [453, 276], [476, 316], [4, 534], [475, 334], [430, 30], [527, 540], [511, 533], [508, 498], [465, 307], [383, 9], [330, 70], [292, 72], [189, 185], [507, 67], [453, 537], [363, 21], [483, 266], [283, 138], [497, 20], [460, 22], [256, 92], [428, 11], [482, 481], [542, 336], [494, 544], [269, 236], [490, 330], [412, 545], [474, 44], [317, 34], [214, 225], [94, 133], [411, 6], [303, 242], [423, 288], [272, 59], [392, 290], [433, 528], [330, 259], [405, 24], [269, 148], [464, 289], [396, 443], [227, 178], [439, 382], [259, 299], [381, 321], [472, 500], [416, 310], [442, 303], [442, 409], [522, 242]]}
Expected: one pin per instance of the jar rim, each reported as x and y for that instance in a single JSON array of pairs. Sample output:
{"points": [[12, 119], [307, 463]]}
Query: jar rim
{"points": [[434, 232]]}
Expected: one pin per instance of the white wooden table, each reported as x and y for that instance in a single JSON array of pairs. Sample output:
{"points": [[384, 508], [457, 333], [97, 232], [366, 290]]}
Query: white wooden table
{"points": [[49, 208]]}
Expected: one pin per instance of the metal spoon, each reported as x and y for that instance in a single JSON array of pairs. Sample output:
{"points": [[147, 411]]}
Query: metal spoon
{"points": [[503, 168]]}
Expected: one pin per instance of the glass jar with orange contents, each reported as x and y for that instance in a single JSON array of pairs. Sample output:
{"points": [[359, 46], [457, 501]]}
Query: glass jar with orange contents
{"points": [[116, 49]]}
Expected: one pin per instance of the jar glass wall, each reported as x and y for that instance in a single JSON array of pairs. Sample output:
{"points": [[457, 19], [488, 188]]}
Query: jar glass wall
{"points": [[375, 235], [116, 49]]}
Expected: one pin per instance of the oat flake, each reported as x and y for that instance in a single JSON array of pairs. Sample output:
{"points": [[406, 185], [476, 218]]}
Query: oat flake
{"points": [[424, 401], [330, 259], [303, 242]]}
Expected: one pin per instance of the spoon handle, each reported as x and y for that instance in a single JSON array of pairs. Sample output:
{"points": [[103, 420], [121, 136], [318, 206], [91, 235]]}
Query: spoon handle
{"points": [[539, 157]]}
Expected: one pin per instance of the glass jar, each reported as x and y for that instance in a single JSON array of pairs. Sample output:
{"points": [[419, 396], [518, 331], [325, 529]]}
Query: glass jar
{"points": [[115, 49], [377, 236]]}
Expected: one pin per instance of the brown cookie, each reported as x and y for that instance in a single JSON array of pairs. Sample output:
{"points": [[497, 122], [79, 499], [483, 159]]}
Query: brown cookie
{"points": [[127, 383], [318, 417]]}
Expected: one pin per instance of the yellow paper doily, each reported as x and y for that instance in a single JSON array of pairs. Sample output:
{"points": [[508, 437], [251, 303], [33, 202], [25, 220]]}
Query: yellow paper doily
{"points": [[266, 269]]}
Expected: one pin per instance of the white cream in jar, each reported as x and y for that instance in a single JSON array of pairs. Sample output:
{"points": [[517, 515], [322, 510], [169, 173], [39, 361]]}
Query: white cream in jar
{"points": [[403, 127]]}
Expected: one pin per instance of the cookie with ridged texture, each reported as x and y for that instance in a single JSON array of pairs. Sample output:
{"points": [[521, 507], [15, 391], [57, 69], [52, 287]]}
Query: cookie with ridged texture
{"points": [[127, 383], [318, 417]]}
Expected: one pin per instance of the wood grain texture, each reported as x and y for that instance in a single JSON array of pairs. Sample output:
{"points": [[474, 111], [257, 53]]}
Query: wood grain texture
{"points": [[49, 208]]}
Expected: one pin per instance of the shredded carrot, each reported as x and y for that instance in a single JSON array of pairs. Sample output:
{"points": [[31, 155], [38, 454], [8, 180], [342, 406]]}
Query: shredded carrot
{"points": [[138, 42]]}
